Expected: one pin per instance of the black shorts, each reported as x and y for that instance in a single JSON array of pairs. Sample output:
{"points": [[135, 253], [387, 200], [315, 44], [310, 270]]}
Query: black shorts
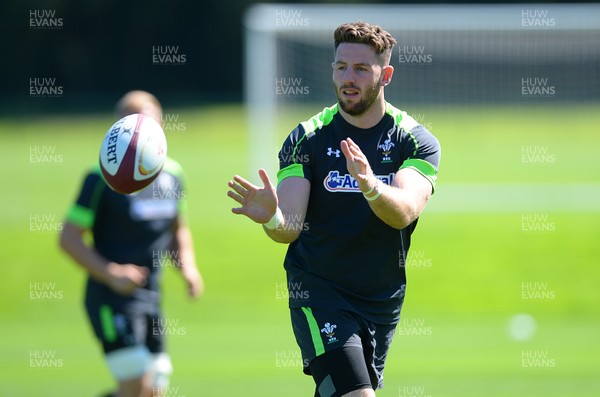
{"points": [[119, 323], [319, 332]]}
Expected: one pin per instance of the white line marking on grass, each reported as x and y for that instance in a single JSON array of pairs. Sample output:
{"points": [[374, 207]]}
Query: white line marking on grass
{"points": [[512, 198]]}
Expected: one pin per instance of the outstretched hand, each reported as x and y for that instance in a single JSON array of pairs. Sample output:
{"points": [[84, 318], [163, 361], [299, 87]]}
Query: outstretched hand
{"points": [[257, 203], [358, 165]]}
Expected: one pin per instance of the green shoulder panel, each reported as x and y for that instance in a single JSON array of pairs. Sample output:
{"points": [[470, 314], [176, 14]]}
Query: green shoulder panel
{"points": [[319, 120], [84, 217]]}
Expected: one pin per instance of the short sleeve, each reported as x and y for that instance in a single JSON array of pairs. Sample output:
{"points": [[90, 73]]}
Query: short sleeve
{"points": [[294, 156], [83, 212], [423, 153]]}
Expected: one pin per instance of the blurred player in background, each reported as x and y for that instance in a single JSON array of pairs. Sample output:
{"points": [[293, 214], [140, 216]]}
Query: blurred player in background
{"points": [[132, 238], [352, 183]]}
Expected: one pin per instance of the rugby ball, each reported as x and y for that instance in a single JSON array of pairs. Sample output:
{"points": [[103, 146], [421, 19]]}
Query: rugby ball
{"points": [[132, 153]]}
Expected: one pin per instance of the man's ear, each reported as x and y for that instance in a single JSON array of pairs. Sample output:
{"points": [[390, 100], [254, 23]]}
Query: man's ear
{"points": [[386, 75]]}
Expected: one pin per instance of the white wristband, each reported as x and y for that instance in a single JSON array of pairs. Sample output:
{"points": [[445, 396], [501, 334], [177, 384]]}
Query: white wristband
{"points": [[276, 221], [377, 194], [370, 190]]}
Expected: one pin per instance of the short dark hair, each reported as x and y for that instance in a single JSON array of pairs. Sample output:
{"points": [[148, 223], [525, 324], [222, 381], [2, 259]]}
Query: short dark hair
{"points": [[365, 33]]}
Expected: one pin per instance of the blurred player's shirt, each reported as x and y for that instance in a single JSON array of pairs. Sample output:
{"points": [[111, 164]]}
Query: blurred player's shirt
{"points": [[136, 228]]}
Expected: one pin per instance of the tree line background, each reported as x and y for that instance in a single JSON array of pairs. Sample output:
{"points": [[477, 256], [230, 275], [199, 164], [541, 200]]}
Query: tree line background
{"points": [[104, 48]]}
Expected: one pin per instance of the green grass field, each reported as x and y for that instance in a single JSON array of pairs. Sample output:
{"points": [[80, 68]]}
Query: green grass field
{"points": [[479, 257]]}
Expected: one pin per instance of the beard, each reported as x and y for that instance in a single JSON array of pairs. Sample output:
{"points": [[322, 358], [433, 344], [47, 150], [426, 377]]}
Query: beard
{"points": [[360, 107]]}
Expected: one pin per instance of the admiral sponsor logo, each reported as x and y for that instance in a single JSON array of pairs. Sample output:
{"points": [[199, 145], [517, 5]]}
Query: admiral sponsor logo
{"points": [[334, 182]]}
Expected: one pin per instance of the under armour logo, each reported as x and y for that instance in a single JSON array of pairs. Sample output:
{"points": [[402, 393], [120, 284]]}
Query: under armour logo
{"points": [[331, 151]]}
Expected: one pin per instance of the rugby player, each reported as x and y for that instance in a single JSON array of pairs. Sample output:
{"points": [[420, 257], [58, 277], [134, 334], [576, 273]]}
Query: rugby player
{"points": [[133, 238], [352, 183]]}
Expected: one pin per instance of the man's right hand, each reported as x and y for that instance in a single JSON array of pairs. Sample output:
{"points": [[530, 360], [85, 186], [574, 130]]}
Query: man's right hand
{"points": [[258, 203], [126, 278]]}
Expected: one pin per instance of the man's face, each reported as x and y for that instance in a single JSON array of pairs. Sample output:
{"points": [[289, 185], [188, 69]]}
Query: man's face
{"points": [[356, 77]]}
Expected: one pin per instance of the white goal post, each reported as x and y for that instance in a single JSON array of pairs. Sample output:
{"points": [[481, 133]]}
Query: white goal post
{"points": [[450, 54]]}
